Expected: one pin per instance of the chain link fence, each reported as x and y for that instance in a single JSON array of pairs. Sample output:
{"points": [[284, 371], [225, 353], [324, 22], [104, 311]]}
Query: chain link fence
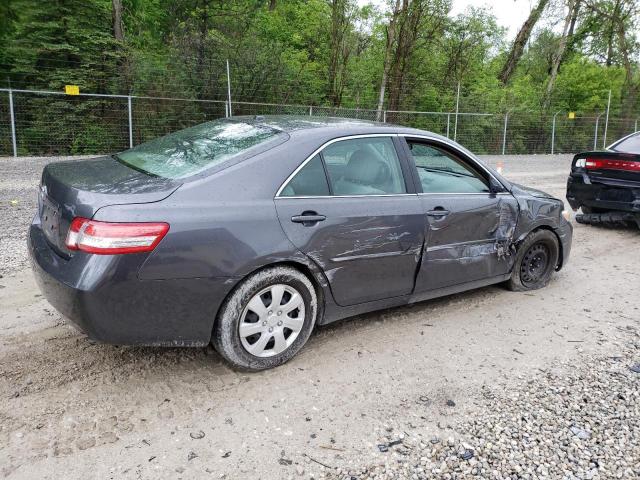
{"points": [[53, 123]]}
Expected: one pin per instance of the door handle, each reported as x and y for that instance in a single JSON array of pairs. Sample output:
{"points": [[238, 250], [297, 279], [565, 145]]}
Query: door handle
{"points": [[438, 212], [308, 219]]}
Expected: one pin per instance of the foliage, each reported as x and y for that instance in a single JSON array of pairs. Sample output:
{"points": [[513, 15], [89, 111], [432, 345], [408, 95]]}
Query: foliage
{"points": [[311, 52]]}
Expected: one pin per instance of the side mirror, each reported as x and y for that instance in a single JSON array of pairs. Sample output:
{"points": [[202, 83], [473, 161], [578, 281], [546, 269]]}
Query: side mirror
{"points": [[495, 186]]}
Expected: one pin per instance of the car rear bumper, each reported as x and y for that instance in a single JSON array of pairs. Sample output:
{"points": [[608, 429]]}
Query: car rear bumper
{"points": [[103, 297], [581, 192]]}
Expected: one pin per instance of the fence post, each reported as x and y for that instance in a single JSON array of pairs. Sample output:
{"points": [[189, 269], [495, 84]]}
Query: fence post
{"points": [[635, 129], [455, 126], [606, 122], [130, 122], [384, 117], [229, 88], [13, 124], [553, 133], [595, 135], [504, 134], [311, 110], [448, 122]]}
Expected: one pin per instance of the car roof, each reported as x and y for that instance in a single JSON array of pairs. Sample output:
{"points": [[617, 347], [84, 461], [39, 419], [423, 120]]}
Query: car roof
{"points": [[322, 129], [323, 126]]}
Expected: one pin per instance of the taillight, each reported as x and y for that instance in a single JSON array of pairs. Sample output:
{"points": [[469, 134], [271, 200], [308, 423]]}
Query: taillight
{"points": [[106, 238], [611, 164]]}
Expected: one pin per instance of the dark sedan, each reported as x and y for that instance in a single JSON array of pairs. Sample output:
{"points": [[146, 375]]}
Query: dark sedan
{"points": [[606, 184], [247, 232]]}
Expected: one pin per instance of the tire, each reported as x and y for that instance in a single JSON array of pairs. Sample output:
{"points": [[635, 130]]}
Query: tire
{"points": [[249, 320], [536, 260]]}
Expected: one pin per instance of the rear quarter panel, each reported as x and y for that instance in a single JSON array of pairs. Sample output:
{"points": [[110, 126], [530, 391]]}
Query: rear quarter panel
{"points": [[223, 225]]}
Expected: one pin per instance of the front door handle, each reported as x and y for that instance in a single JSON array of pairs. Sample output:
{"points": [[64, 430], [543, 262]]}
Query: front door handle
{"points": [[438, 212], [308, 219]]}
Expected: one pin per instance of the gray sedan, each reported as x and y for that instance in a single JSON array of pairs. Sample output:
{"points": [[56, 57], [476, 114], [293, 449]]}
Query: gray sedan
{"points": [[248, 232]]}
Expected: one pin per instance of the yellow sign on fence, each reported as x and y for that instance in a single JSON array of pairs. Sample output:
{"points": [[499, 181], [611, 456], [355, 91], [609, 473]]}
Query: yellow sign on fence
{"points": [[572, 115], [72, 89]]}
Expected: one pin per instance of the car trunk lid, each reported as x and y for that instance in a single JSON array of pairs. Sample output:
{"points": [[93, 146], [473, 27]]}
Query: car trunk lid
{"points": [[80, 188], [618, 169]]}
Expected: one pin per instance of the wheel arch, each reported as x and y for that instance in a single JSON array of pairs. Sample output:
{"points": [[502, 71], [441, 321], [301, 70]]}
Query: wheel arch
{"points": [[315, 276], [551, 229]]}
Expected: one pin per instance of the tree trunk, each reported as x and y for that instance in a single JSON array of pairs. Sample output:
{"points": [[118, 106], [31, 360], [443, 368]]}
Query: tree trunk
{"points": [[118, 31], [202, 48], [272, 5], [386, 65], [521, 40], [574, 7], [408, 26], [335, 48], [630, 88]]}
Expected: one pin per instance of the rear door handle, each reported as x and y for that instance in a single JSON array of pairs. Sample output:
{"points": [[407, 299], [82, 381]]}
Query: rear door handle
{"points": [[438, 213], [308, 218]]}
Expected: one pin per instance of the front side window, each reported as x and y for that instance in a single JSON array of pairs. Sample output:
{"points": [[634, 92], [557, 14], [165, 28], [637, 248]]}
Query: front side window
{"points": [[442, 172], [364, 166], [198, 148]]}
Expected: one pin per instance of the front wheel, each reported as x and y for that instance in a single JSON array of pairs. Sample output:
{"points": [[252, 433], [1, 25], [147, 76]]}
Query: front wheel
{"points": [[536, 260], [267, 319]]}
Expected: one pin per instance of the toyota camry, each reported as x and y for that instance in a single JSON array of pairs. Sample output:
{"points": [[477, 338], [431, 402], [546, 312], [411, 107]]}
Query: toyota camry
{"points": [[248, 232]]}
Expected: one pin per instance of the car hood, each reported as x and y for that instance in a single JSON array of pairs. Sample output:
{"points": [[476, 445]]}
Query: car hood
{"points": [[518, 189]]}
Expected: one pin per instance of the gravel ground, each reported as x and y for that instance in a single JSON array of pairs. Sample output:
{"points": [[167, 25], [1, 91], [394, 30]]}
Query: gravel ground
{"points": [[488, 383], [19, 179], [565, 422]]}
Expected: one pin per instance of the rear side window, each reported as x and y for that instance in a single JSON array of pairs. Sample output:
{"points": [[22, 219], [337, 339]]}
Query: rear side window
{"points": [[364, 166], [629, 145], [190, 151], [310, 181], [442, 172]]}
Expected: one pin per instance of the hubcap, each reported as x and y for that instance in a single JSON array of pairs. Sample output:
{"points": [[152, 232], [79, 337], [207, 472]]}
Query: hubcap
{"points": [[272, 320], [534, 264]]}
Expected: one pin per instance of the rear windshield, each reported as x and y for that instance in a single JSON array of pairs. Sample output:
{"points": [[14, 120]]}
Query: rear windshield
{"points": [[629, 145], [190, 151]]}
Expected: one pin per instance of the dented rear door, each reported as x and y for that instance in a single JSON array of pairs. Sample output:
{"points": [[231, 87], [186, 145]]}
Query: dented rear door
{"points": [[353, 213], [368, 247]]}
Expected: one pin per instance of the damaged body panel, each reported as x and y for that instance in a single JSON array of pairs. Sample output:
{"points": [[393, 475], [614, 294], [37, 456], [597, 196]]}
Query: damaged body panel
{"points": [[369, 249], [374, 215], [471, 242]]}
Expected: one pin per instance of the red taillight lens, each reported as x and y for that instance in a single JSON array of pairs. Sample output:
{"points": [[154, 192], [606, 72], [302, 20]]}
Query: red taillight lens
{"points": [[612, 164], [105, 238]]}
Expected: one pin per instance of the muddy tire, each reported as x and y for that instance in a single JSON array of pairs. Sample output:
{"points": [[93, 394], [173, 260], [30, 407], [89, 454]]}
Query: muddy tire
{"points": [[267, 319], [536, 260]]}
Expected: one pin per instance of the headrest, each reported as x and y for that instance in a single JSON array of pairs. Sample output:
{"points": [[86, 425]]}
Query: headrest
{"points": [[363, 168]]}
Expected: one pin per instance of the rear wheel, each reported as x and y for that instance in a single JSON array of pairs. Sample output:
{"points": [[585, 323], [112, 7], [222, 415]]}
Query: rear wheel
{"points": [[267, 319], [536, 261]]}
